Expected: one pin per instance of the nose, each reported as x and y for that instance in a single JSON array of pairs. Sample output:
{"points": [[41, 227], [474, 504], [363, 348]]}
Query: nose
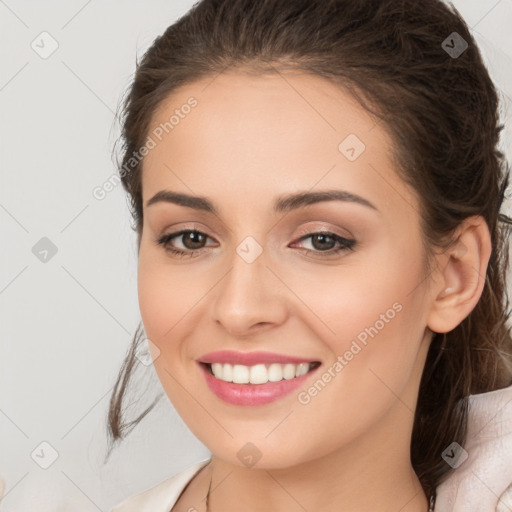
{"points": [[249, 298]]}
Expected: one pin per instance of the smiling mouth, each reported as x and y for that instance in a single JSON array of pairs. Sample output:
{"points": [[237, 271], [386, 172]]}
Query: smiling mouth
{"points": [[258, 373]]}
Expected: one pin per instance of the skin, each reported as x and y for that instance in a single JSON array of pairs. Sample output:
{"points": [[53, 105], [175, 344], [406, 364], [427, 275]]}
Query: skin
{"points": [[248, 141]]}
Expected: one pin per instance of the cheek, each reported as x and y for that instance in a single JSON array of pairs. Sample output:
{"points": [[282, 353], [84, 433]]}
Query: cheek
{"points": [[375, 357], [371, 314], [165, 294], [356, 299], [153, 299], [382, 338], [164, 301], [159, 307]]}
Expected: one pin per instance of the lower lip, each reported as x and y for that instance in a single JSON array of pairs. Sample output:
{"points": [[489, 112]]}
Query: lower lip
{"points": [[252, 394]]}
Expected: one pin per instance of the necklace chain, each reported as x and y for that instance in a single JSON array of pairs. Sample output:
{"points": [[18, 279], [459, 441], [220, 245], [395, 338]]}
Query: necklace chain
{"points": [[432, 502]]}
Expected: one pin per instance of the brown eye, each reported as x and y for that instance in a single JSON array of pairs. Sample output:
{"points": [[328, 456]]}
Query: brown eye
{"points": [[193, 239], [326, 243], [321, 241], [189, 242]]}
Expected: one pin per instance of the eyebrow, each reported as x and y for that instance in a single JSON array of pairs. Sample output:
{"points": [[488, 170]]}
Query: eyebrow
{"points": [[281, 204]]}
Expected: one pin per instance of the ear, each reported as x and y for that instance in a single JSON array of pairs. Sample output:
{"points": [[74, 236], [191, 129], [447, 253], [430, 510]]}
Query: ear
{"points": [[460, 276]]}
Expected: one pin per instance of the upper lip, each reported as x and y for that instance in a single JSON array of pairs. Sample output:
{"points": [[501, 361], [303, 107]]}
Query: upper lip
{"points": [[250, 358]]}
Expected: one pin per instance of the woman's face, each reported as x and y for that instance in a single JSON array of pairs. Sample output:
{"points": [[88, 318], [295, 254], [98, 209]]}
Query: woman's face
{"points": [[261, 277]]}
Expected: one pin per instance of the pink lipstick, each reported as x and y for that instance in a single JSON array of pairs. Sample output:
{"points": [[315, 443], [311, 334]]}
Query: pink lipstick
{"points": [[254, 378]]}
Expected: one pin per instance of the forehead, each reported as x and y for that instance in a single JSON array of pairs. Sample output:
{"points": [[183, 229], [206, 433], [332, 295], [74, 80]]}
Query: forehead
{"points": [[315, 107], [281, 131]]}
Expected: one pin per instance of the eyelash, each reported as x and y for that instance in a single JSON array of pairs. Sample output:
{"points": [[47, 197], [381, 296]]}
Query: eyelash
{"points": [[345, 244]]}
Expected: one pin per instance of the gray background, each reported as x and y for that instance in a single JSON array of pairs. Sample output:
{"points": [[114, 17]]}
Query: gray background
{"points": [[67, 321]]}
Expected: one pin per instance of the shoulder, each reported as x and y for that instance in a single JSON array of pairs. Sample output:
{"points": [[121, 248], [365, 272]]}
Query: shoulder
{"points": [[481, 478], [161, 497], [505, 503]]}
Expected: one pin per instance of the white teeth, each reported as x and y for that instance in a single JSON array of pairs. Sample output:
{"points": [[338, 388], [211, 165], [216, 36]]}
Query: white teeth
{"points": [[275, 372], [259, 373], [240, 374], [302, 369], [289, 371], [217, 369], [227, 372]]}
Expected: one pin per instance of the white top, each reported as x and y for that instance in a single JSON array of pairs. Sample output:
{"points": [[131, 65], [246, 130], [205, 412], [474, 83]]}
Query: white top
{"points": [[481, 482], [163, 496]]}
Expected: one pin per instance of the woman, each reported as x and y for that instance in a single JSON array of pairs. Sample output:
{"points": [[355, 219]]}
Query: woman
{"points": [[316, 190]]}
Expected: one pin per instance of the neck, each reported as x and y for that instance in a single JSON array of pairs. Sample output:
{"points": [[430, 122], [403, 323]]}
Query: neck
{"points": [[371, 474]]}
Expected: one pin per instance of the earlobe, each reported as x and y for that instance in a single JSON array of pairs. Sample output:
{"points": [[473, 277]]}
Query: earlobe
{"points": [[461, 275]]}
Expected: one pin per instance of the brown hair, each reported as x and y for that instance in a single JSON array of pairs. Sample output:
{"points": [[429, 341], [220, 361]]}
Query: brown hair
{"points": [[442, 113]]}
